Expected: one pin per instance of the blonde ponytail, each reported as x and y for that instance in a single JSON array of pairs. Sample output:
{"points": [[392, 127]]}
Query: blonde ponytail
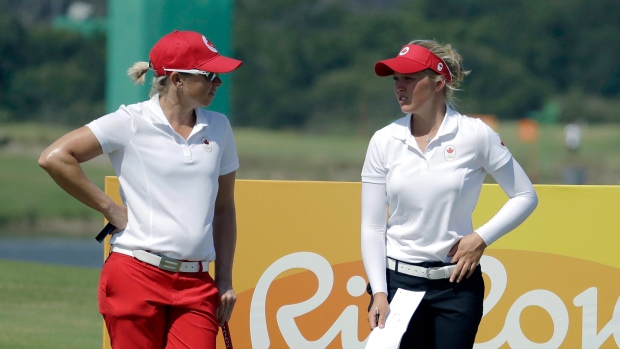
{"points": [[138, 71]]}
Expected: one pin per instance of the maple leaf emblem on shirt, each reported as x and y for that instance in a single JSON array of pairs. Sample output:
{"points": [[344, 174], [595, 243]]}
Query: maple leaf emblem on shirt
{"points": [[449, 153]]}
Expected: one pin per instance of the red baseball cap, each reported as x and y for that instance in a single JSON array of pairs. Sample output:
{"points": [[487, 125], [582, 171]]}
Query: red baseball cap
{"points": [[412, 59], [185, 50]]}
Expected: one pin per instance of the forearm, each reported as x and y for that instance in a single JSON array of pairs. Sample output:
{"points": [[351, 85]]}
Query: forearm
{"points": [[62, 161], [68, 174], [373, 227], [522, 202], [225, 240], [374, 258]]}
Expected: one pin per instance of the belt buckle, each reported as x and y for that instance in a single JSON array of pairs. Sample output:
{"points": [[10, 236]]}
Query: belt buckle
{"points": [[428, 273], [169, 264]]}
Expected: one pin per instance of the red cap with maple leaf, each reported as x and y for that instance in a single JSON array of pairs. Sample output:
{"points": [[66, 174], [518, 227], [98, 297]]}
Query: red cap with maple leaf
{"points": [[187, 50], [412, 59]]}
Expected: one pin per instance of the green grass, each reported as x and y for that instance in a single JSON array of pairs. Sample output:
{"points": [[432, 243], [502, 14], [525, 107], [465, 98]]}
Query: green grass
{"points": [[32, 134], [544, 160], [298, 156], [27, 190], [44, 306], [31, 203]]}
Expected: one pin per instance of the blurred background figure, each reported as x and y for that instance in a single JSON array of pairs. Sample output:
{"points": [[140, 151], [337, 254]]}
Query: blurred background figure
{"points": [[572, 136], [573, 171]]}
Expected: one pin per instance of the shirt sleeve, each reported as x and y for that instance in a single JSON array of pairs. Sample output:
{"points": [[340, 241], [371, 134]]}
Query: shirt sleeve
{"points": [[492, 152], [520, 205], [114, 130], [230, 160], [374, 218], [374, 170]]}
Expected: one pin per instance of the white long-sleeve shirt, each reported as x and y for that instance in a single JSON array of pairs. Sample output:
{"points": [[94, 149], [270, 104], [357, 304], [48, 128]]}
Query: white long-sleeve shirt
{"points": [[429, 197]]}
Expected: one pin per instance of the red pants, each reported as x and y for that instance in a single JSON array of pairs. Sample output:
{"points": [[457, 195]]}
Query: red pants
{"points": [[146, 307]]}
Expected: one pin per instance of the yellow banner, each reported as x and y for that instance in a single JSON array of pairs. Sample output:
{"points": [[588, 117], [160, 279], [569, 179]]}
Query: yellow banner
{"points": [[300, 283]]}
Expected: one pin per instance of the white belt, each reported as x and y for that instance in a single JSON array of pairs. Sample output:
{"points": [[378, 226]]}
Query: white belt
{"points": [[163, 262], [436, 273]]}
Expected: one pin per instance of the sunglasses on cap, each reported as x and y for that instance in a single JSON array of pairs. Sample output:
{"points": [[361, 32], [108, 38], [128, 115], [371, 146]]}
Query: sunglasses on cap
{"points": [[209, 76]]}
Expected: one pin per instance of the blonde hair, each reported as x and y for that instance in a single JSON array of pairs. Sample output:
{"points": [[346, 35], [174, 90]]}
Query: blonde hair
{"points": [[137, 73], [454, 62]]}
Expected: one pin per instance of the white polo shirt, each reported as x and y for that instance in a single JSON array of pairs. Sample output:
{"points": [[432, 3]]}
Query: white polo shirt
{"points": [[432, 194], [169, 184]]}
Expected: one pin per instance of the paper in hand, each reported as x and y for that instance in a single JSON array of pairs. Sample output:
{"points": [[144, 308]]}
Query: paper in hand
{"points": [[402, 307]]}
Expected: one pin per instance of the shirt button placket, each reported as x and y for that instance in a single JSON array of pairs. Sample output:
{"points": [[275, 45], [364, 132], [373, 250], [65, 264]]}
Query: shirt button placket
{"points": [[425, 159], [425, 166], [186, 152]]}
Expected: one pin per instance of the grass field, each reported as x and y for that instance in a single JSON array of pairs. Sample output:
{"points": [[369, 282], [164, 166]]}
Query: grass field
{"points": [[48, 307], [31, 203], [299, 156]]}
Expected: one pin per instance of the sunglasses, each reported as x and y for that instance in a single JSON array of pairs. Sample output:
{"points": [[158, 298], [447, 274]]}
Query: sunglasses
{"points": [[209, 76]]}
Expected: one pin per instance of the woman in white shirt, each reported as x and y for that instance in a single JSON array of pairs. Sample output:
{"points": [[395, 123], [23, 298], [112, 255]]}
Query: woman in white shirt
{"points": [[425, 172], [176, 165]]}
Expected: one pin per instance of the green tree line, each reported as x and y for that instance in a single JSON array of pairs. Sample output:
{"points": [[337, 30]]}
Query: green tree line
{"points": [[50, 75], [309, 64]]}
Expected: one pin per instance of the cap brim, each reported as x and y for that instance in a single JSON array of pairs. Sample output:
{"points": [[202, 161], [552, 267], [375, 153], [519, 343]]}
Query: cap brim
{"points": [[400, 65], [220, 65]]}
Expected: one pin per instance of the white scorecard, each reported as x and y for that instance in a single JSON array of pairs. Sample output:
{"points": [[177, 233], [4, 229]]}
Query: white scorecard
{"points": [[402, 307]]}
